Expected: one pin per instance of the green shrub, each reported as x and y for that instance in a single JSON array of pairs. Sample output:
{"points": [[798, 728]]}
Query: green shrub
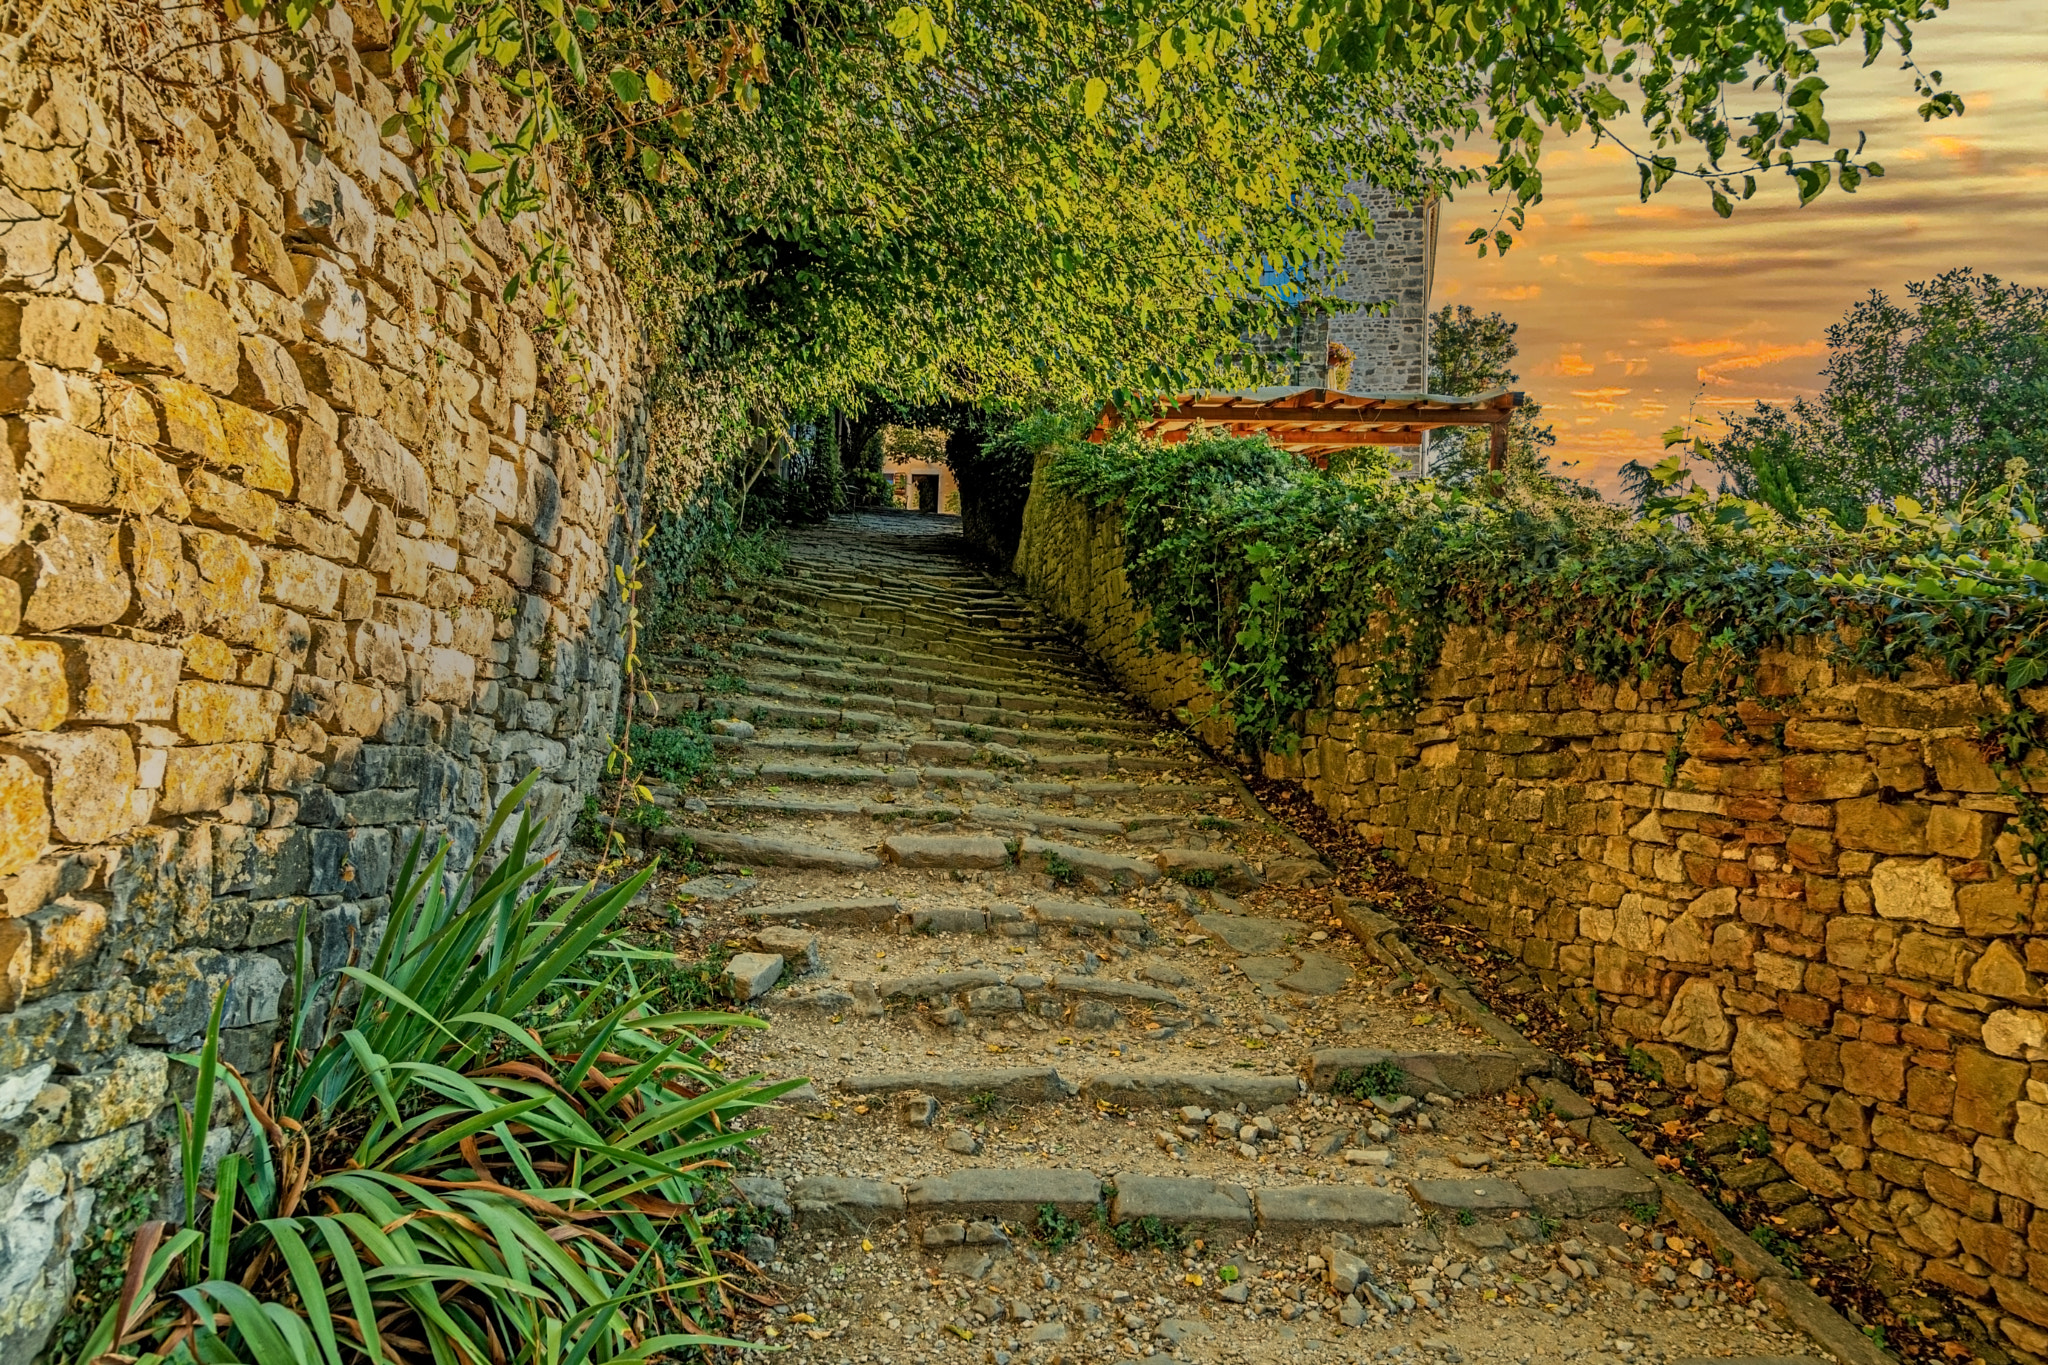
{"points": [[1377, 1078], [1201, 878], [1054, 1230], [430, 1176], [1061, 871], [1137, 1234], [1265, 566], [677, 749]]}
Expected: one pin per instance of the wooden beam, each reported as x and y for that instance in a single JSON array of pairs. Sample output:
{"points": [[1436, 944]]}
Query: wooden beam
{"points": [[1418, 418], [1340, 439], [1497, 447]]}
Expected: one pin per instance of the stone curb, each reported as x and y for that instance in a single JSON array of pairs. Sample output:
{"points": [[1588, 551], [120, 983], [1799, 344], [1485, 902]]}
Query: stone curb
{"points": [[1016, 1193], [1786, 1294]]}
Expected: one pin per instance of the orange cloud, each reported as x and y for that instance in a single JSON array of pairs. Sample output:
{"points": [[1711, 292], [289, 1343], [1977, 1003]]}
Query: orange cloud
{"points": [[1642, 258], [1713, 346], [1600, 400], [1571, 365], [1767, 355], [1517, 294], [1963, 149]]}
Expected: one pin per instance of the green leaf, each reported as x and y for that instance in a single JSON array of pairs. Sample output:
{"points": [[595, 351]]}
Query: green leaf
{"points": [[628, 86], [1093, 94]]}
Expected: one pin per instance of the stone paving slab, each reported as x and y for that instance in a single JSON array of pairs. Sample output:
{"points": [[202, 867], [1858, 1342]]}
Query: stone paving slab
{"points": [[1249, 934], [1299, 1208], [768, 850], [1445, 1073], [1004, 1193], [1181, 1203], [849, 912], [1478, 1194], [1172, 1090], [1580, 1194]]}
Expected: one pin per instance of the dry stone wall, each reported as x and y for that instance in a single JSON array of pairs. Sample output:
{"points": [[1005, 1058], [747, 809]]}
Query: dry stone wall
{"points": [[294, 562], [1808, 907]]}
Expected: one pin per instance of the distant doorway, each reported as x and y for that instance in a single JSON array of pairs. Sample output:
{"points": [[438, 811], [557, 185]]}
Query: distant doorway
{"points": [[927, 486]]}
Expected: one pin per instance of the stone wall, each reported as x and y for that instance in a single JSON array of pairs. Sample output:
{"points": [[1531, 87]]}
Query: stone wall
{"points": [[293, 563], [1387, 274], [1807, 907]]}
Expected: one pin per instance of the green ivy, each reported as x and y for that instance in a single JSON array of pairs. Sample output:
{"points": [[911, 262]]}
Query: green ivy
{"points": [[1266, 566]]}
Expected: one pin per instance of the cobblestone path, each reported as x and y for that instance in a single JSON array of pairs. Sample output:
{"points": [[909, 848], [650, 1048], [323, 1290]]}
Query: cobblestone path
{"points": [[1096, 1072]]}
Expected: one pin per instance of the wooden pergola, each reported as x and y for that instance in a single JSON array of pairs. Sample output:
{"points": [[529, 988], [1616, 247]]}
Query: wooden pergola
{"points": [[1319, 422]]}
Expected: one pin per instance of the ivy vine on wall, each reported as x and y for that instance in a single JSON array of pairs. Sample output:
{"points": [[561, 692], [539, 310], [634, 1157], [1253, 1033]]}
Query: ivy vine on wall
{"points": [[1266, 566]]}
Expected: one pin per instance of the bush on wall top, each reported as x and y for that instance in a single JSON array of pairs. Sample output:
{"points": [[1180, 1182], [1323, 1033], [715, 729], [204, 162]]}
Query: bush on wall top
{"points": [[1265, 566]]}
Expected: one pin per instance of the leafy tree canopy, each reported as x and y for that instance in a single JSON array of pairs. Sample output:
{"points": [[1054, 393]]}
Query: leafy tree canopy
{"points": [[1472, 352], [1930, 397], [993, 201]]}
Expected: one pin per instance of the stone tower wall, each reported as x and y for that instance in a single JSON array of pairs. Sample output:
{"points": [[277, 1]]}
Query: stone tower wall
{"points": [[1386, 285], [1809, 908], [294, 561]]}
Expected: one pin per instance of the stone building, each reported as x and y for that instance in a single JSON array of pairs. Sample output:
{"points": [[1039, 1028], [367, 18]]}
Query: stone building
{"points": [[1385, 321]]}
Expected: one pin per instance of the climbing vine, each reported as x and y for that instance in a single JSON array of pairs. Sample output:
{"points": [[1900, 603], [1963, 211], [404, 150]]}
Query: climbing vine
{"points": [[1266, 567]]}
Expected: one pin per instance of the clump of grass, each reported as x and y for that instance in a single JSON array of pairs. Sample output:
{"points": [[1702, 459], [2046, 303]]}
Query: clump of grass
{"points": [[676, 750], [1200, 878], [1380, 1078], [1138, 1234], [1062, 872], [1054, 1230]]}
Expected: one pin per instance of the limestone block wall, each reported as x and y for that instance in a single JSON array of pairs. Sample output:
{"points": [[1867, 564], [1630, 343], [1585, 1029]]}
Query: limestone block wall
{"points": [[297, 559], [1387, 274], [1808, 907]]}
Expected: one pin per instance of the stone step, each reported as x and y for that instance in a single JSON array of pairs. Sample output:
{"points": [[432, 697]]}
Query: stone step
{"points": [[931, 689], [926, 699], [766, 850], [820, 651], [911, 678], [1195, 1204], [1124, 1089]]}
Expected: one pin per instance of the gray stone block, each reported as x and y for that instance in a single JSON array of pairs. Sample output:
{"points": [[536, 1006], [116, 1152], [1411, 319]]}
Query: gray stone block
{"points": [[841, 1201], [948, 919], [768, 850], [1004, 1193], [1448, 1073], [1208, 868], [1112, 867], [1222, 1090], [763, 1192], [837, 912], [1077, 915], [1480, 1194], [965, 852], [750, 976], [1577, 1194], [1181, 1203], [1027, 1084], [1115, 992], [1296, 1207]]}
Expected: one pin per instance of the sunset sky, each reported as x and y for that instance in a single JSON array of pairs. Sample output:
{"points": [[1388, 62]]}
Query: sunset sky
{"points": [[1633, 314]]}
